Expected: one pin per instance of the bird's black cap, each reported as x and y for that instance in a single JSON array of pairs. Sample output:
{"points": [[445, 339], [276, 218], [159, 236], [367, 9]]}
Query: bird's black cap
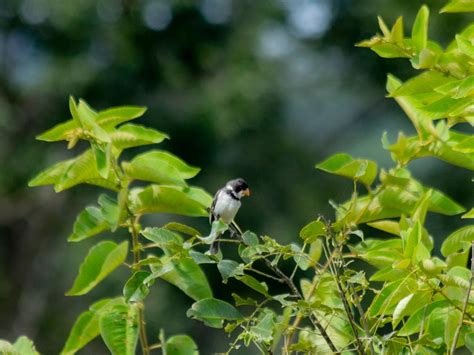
{"points": [[238, 185]]}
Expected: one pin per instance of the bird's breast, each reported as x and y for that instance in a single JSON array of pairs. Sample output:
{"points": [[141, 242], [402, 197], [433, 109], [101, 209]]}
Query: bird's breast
{"points": [[226, 207]]}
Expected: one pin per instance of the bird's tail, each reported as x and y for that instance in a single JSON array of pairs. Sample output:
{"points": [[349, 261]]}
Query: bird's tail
{"points": [[214, 249]]}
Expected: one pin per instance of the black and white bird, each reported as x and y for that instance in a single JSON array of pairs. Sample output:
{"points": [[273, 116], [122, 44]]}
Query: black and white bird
{"points": [[226, 204]]}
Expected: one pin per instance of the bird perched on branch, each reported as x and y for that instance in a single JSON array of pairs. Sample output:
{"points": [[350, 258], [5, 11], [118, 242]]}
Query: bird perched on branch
{"points": [[226, 204]]}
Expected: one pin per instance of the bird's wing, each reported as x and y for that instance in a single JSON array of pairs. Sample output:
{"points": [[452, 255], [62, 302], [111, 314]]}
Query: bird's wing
{"points": [[212, 216]]}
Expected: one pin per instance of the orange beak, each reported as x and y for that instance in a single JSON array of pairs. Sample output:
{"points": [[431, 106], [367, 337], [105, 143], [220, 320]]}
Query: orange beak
{"points": [[246, 192]]}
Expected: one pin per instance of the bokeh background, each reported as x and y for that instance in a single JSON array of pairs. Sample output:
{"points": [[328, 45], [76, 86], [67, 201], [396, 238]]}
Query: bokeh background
{"points": [[257, 89]]}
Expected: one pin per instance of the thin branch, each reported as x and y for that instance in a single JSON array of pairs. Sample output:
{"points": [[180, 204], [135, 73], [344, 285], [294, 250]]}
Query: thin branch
{"points": [[337, 252], [347, 308], [314, 320], [266, 275], [466, 301], [136, 259], [310, 293], [355, 295], [155, 346]]}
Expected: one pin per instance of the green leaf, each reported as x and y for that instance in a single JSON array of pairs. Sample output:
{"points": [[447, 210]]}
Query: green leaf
{"points": [[457, 259], [182, 228], [197, 194], [421, 208], [465, 46], [181, 345], [119, 329], [240, 301], [250, 238], [85, 329], [263, 330], [419, 32], [414, 322], [132, 135], [465, 88], [253, 283], [452, 319], [213, 312], [426, 59], [383, 27], [379, 253], [343, 164], [160, 167], [469, 339], [110, 211], [389, 50], [386, 226], [62, 131], [102, 259], [185, 274], [436, 322], [407, 304], [135, 289], [163, 157], [201, 258], [218, 227], [423, 83], [83, 169], [86, 118], [165, 239], [460, 239], [396, 35], [301, 258], [89, 223], [24, 346], [51, 175], [459, 6], [229, 268], [391, 294], [389, 274], [312, 231], [102, 159], [315, 252], [465, 146], [393, 202], [399, 311], [469, 214], [114, 116], [7, 348], [281, 325], [445, 107], [165, 199], [410, 239]]}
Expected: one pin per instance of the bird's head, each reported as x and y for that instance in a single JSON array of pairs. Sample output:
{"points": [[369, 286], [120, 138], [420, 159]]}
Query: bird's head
{"points": [[239, 187]]}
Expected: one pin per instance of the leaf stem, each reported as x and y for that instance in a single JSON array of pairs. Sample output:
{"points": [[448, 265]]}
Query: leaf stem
{"points": [[466, 301], [134, 220]]}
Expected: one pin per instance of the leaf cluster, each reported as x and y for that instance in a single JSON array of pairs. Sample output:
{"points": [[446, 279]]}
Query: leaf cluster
{"points": [[412, 302]]}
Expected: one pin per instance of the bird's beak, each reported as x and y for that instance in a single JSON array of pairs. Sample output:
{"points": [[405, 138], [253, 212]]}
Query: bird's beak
{"points": [[246, 192]]}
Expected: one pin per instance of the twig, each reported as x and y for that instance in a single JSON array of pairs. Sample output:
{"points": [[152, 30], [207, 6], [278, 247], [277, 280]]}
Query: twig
{"points": [[466, 301], [266, 275], [310, 293], [136, 259], [155, 346], [314, 320], [362, 317], [347, 308], [338, 253]]}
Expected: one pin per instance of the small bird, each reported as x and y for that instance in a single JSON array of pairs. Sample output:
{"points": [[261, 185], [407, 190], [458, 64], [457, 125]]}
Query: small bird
{"points": [[226, 204]]}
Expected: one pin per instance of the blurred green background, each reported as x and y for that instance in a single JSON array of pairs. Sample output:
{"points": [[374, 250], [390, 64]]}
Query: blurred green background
{"points": [[257, 89]]}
